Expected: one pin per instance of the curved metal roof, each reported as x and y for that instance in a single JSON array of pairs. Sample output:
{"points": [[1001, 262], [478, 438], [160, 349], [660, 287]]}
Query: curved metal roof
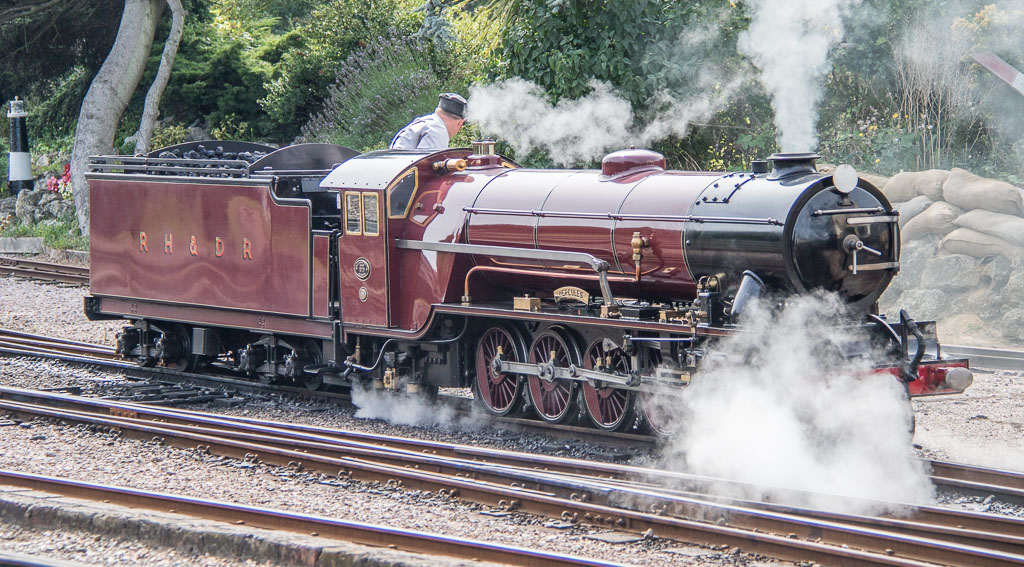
{"points": [[375, 170]]}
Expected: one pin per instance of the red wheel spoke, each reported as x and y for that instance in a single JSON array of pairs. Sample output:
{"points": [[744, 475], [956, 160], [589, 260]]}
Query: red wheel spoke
{"points": [[609, 408], [499, 392]]}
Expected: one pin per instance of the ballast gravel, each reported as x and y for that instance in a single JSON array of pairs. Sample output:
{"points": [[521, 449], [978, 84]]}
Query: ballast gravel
{"points": [[983, 426]]}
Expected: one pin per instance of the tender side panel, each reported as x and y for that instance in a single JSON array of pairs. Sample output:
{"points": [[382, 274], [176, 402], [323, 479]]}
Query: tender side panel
{"points": [[321, 274], [199, 243]]}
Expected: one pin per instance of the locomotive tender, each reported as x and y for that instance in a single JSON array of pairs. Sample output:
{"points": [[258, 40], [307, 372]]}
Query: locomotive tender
{"points": [[571, 292]]}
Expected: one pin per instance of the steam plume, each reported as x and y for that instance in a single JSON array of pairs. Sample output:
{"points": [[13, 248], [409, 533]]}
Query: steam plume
{"points": [[785, 412], [577, 131], [789, 40]]}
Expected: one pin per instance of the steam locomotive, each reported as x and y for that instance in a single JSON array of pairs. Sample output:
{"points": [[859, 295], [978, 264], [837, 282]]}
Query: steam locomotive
{"points": [[571, 294]]}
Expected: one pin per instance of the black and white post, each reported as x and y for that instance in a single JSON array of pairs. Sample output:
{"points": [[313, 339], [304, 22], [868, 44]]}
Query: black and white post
{"points": [[20, 160]]}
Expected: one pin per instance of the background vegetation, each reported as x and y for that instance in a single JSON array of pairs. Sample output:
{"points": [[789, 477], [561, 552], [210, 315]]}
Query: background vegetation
{"points": [[353, 71]]}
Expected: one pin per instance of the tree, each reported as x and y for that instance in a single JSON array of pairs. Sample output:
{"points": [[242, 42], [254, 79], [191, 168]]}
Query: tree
{"points": [[42, 40], [109, 94], [152, 108]]}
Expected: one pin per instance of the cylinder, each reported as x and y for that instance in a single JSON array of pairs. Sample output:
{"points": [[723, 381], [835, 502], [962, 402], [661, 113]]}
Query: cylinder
{"points": [[20, 173]]}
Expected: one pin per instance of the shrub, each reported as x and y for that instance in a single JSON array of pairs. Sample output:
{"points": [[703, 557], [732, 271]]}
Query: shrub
{"points": [[377, 91], [334, 32], [168, 135]]}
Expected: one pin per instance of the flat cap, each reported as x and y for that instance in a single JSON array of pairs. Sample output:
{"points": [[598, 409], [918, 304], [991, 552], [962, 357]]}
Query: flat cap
{"points": [[452, 104]]}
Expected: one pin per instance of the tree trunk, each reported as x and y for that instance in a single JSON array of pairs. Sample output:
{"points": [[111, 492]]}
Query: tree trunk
{"points": [[151, 110], [109, 93]]}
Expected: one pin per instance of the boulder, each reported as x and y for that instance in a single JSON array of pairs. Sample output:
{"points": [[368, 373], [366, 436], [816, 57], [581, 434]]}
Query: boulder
{"points": [[951, 273], [1012, 325], [926, 303], [25, 208], [7, 205], [41, 205], [995, 273], [913, 256]]}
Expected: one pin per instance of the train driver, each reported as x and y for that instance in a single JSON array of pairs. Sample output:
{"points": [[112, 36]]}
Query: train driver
{"points": [[432, 132]]}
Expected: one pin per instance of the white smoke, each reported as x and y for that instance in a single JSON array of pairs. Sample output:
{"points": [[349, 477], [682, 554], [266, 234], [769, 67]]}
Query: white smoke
{"points": [[783, 412], [407, 409], [580, 130], [571, 130], [789, 40]]}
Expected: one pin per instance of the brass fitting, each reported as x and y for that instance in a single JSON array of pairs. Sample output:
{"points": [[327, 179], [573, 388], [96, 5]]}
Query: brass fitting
{"points": [[638, 243], [451, 164]]}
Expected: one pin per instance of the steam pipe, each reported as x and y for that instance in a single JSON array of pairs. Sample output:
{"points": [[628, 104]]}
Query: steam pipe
{"points": [[910, 372]]}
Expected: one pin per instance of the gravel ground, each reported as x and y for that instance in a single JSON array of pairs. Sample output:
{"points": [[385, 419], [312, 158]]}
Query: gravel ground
{"points": [[983, 426]]}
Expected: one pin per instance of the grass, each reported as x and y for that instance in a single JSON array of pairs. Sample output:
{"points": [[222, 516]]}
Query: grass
{"points": [[60, 235]]}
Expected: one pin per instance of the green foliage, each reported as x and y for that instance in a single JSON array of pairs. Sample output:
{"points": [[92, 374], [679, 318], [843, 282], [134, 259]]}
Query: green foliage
{"points": [[287, 13], [60, 235], [218, 76], [378, 90], [168, 135], [53, 105], [562, 45], [44, 47], [334, 31]]}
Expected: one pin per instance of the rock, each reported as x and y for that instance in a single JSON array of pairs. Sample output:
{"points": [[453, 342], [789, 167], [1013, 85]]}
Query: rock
{"points": [[196, 134], [912, 260], [42, 205], [926, 303], [986, 305], [996, 273], [964, 328], [1012, 324], [1014, 285], [7, 205], [951, 272], [26, 205]]}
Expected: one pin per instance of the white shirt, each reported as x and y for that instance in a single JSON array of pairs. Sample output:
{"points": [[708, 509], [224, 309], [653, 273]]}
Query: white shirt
{"points": [[426, 132]]}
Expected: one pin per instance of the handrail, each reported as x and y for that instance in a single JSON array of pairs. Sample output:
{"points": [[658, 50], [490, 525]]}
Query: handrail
{"points": [[598, 265], [618, 216]]}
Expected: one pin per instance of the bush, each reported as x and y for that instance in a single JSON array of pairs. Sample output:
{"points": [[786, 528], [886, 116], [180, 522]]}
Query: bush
{"points": [[304, 73], [168, 135], [60, 235], [371, 99]]}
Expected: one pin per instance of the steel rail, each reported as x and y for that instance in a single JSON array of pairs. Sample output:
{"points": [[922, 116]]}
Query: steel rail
{"points": [[906, 546], [375, 535], [988, 480], [994, 358], [1007, 485], [25, 343], [46, 271]]}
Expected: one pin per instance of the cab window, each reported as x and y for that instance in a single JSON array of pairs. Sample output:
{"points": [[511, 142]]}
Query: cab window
{"points": [[371, 215], [400, 194], [353, 214]]}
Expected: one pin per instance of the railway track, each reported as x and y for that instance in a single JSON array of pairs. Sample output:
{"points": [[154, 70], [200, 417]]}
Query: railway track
{"points": [[356, 532], [991, 358], [25, 344], [669, 505], [44, 271]]}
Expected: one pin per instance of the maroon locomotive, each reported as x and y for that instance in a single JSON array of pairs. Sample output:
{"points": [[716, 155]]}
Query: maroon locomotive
{"points": [[570, 292]]}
